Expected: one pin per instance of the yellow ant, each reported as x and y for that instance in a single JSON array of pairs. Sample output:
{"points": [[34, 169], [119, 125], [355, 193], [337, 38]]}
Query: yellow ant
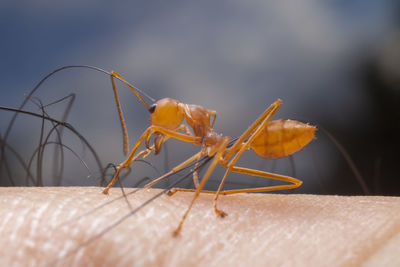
{"points": [[268, 139]]}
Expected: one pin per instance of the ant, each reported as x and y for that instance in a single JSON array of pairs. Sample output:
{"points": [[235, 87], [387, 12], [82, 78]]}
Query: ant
{"points": [[268, 139]]}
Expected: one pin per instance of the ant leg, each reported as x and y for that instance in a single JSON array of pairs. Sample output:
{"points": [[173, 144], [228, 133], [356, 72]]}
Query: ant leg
{"points": [[212, 113], [221, 149], [196, 175], [263, 119], [168, 133], [174, 190], [131, 157], [181, 127], [240, 146], [143, 153], [254, 129], [121, 116], [185, 129], [294, 183], [175, 169], [160, 139]]}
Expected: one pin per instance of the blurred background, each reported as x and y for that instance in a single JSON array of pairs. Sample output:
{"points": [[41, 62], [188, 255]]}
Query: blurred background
{"points": [[335, 64]]}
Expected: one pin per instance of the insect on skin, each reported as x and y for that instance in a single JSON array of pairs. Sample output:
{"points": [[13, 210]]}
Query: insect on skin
{"points": [[268, 139]]}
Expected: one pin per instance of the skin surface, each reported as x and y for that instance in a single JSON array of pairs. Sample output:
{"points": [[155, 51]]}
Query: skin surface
{"points": [[40, 225]]}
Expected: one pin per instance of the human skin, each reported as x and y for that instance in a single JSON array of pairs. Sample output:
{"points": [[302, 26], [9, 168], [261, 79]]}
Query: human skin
{"points": [[49, 226]]}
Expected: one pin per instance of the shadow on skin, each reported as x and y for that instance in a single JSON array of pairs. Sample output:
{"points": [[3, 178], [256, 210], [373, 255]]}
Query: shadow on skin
{"points": [[40, 225]]}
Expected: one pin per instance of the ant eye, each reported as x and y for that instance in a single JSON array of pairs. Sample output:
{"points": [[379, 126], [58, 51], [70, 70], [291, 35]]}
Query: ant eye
{"points": [[152, 108]]}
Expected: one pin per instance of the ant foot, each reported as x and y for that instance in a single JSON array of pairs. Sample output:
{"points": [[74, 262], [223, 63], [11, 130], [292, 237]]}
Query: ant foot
{"points": [[221, 213], [171, 192], [177, 232]]}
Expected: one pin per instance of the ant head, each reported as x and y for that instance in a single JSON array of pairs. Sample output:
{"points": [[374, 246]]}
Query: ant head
{"points": [[166, 113]]}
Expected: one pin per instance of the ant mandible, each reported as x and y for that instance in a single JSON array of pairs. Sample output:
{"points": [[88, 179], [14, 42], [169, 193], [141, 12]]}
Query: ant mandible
{"points": [[268, 139]]}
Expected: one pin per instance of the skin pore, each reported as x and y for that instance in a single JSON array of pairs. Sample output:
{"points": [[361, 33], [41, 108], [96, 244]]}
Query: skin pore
{"points": [[40, 226]]}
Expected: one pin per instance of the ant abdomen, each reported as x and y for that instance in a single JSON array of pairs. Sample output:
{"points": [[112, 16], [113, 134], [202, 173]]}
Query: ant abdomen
{"points": [[281, 138]]}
